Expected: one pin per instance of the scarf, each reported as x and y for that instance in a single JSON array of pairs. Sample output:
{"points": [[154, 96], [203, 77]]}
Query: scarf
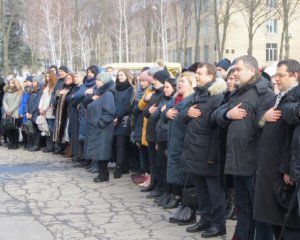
{"points": [[178, 99], [120, 86], [282, 94]]}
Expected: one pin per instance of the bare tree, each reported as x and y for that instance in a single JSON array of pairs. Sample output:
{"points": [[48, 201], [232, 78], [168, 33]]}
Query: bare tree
{"points": [[288, 10], [8, 15], [255, 14], [223, 10]]}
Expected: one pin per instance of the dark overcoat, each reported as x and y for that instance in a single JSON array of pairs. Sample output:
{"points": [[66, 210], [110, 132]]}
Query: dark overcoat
{"points": [[273, 161], [200, 151], [100, 124]]}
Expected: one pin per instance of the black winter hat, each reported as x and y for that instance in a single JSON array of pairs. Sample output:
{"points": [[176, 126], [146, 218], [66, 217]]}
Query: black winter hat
{"points": [[161, 76], [224, 63], [173, 82], [64, 68], [94, 70], [55, 67]]}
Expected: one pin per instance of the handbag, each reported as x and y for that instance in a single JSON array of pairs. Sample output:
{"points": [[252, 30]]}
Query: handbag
{"points": [[8, 124], [189, 196], [28, 127]]}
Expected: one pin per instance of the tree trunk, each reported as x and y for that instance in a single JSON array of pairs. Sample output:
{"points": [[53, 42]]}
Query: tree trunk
{"points": [[198, 28], [217, 29], [281, 45], [286, 29]]}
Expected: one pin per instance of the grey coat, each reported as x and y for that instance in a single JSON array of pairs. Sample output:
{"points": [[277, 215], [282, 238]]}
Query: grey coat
{"points": [[11, 102], [100, 126]]}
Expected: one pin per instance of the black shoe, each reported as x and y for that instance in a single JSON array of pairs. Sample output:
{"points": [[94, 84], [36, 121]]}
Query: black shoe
{"points": [[82, 163], [198, 227], [172, 203], [102, 177], [118, 171], [175, 216], [159, 200], [148, 188], [58, 150], [187, 220], [154, 194], [214, 232], [34, 149], [47, 150]]}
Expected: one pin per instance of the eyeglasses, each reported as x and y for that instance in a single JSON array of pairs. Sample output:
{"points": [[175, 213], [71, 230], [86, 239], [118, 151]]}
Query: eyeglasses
{"points": [[280, 75]]}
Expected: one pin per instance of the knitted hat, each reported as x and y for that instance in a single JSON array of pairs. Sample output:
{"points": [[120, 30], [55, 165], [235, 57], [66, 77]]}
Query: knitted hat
{"points": [[105, 77], [38, 78], [144, 75], [161, 76], [173, 82], [224, 63], [154, 69], [64, 68], [29, 78]]}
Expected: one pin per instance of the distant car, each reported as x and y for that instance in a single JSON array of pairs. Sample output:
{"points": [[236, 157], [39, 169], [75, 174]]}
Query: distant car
{"points": [[174, 68]]}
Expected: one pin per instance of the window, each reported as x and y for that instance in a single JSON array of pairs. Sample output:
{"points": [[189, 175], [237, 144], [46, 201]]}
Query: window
{"points": [[232, 51], [227, 51], [271, 52], [271, 26], [271, 3]]}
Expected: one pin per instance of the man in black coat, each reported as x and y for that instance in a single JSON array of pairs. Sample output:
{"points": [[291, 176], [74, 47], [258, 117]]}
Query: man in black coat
{"points": [[274, 153], [240, 115], [200, 152]]}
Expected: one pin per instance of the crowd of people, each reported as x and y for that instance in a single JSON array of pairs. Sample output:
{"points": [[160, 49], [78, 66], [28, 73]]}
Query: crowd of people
{"points": [[221, 140]]}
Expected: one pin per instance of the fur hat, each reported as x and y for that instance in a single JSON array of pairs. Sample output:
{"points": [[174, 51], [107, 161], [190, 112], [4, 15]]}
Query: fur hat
{"points": [[29, 78]]}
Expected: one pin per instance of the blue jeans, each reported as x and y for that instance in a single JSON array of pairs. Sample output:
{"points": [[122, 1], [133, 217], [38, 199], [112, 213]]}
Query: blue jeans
{"points": [[51, 124], [246, 227]]}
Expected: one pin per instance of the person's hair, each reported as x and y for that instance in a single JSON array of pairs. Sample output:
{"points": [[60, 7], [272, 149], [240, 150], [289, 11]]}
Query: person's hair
{"points": [[109, 67], [129, 77], [249, 61], [55, 67], [291, 64], [17, 84], [72, 76], [160, 63], [52, 81], [231, 71], [190, 76], [211, 69]]}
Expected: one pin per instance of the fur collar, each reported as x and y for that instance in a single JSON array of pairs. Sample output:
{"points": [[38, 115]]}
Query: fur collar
{"points": [[219, 86]]}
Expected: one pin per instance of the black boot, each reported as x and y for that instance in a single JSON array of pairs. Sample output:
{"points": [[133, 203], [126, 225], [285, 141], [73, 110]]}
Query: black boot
{"points": [[49, 143], [118, 171], [59, 149], [103, 175], [29, 142], [36, 142]]}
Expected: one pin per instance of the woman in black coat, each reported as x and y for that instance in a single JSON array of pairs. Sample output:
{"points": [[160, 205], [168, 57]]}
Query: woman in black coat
{"points": [[32, 112], [124, 97], [100, 124]]}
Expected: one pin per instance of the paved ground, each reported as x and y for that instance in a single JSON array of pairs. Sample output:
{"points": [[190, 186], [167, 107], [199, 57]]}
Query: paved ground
{"points": [[43, 197]]}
